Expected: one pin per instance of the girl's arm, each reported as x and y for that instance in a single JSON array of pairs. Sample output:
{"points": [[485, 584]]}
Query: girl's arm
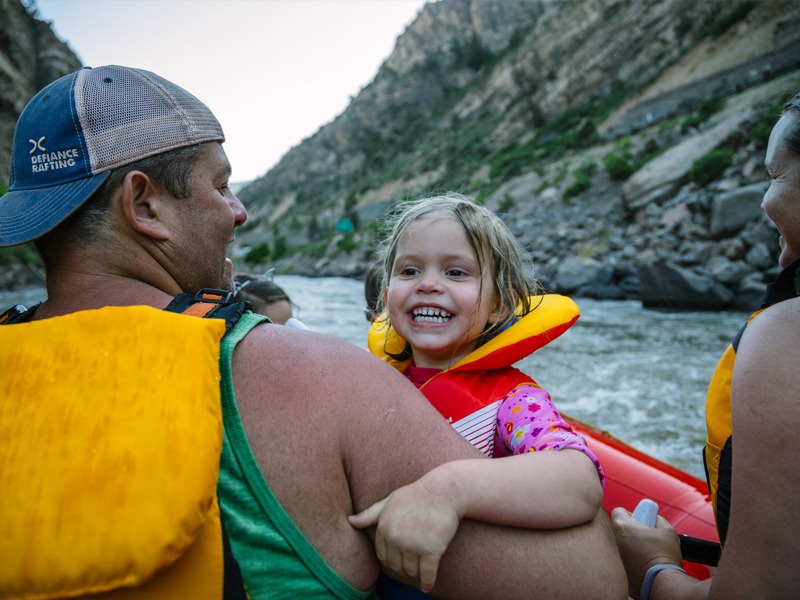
{"points": [[539, 490]]}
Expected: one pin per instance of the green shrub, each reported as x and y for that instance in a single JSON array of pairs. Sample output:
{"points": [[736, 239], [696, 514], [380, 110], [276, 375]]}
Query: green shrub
{"points": [[475, 56], [683, 26], [728, 17], [618, 166], [646, 158], [315, 250], [347, 243], [582, 180], [693, 119], [506, 204], [258, 255], [759, 133], [581, 184], [704, 110], [710, 166], [511, 161], [280, 249], [561, 172], [25, 254], [711, 105]]}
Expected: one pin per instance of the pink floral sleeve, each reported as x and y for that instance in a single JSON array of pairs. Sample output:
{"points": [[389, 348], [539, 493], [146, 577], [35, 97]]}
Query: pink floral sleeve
{"points": [[528, 421]]}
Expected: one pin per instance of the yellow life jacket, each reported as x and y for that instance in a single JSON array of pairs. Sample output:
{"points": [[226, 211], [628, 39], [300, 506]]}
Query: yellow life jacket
{"points": [[718, 451], [111, 432]]}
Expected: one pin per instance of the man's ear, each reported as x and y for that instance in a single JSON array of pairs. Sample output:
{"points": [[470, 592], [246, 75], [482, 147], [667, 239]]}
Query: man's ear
{"points": [[143, 205]]}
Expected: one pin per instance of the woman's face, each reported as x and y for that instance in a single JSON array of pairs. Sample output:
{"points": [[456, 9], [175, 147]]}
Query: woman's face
{"points": [[781, 202]]}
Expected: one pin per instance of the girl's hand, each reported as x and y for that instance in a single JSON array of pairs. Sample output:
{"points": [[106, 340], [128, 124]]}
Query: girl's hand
{"points": [[415, 526]]}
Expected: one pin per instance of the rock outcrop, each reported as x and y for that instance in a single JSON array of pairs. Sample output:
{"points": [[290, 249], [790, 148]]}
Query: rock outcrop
{"points": [[522, 104], [501, 99], [31, 56]]}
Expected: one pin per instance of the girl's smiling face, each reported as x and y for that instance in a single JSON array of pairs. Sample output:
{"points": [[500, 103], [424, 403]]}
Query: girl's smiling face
{"points": [[437, 299]]}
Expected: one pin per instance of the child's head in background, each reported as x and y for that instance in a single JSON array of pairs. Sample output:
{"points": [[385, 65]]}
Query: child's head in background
{"points": [[454, 277], [265, 296]]}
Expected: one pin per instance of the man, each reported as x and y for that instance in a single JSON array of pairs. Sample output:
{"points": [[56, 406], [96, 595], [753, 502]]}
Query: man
{"points": [[120, 177]]}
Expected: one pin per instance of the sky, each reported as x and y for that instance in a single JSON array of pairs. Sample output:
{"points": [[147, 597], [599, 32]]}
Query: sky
{"points": [[272, 71]]}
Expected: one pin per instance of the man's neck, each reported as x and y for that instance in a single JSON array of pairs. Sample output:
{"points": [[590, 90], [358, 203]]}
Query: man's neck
{"points": [[76, 292]]}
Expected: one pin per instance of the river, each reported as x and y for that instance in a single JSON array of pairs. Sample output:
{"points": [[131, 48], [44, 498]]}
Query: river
{"points": [[640, 374]]}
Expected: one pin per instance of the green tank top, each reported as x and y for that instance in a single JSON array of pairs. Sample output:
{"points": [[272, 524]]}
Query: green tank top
{"points": [[276, 560]]}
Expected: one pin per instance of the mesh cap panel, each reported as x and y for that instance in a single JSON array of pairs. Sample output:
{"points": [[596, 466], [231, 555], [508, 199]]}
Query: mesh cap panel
{"points": [[127, 115]]}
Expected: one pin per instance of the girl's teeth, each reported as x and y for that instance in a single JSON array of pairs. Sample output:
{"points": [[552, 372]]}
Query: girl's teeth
{"points": [[431, 315]]}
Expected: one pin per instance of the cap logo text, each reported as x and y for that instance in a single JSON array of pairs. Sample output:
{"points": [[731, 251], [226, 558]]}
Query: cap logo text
{"points": [[50, 161]]}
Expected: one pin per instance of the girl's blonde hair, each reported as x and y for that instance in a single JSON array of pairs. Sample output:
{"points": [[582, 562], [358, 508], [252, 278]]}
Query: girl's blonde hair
{"points": [[495, 247]]}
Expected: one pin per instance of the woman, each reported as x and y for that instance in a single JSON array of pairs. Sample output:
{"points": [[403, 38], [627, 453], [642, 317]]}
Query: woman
{"points": [[759, 402]]}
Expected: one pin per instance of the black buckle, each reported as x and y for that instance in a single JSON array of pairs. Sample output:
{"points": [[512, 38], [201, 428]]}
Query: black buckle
{"points": [[12, 313]]}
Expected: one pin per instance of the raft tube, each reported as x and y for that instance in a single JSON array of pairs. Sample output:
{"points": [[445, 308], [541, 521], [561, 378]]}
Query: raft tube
{"points": [[632, 475]]}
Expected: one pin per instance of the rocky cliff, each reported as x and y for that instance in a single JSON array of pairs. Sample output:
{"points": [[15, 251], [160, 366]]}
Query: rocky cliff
{"points": [[31, 56], [622, 140], [582, 122]]}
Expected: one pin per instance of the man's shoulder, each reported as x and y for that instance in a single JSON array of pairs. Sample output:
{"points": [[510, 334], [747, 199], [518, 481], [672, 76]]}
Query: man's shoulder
{"points": [[289, 343]]}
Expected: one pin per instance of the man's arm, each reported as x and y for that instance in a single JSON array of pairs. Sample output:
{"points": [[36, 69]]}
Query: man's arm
{"points": [[336, 429]]}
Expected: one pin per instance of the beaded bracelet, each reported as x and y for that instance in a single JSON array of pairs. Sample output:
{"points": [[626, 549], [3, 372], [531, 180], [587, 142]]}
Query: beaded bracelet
{"points": [[651, 575]]}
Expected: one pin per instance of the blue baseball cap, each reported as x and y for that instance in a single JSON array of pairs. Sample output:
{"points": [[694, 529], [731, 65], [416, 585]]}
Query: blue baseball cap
{"points": [[78, 129]]}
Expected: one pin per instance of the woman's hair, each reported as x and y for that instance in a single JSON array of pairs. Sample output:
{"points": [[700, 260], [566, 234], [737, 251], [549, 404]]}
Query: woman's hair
{"points": [[500, 257], [792, 138]]}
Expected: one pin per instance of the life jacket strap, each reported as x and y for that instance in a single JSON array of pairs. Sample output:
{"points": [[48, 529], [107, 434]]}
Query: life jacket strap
{"points": [[13, 314], [210, 303]]}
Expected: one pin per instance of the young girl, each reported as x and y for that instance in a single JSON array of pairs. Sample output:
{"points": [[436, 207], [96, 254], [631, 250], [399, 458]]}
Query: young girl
{"points": [[459, 313]]}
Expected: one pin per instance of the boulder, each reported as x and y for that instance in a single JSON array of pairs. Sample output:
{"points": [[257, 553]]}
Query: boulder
{"points": [[732, 210], [666, 285], [673, 168]]}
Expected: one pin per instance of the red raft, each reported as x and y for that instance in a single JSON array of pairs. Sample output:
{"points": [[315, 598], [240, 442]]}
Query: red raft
{"points": [[632, 475]]}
